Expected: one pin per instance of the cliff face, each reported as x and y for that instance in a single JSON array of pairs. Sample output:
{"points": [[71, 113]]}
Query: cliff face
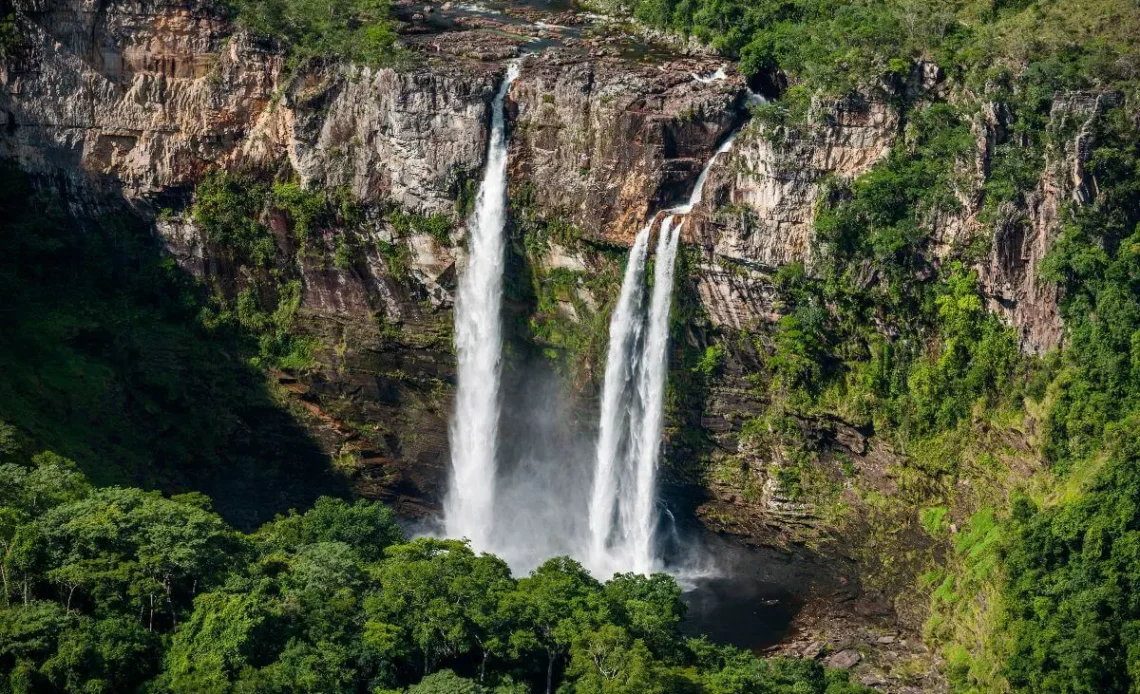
{"points": [[136, 101], [606, 143], [145, 96], [759, 202], [758, 209], [1023, 234]]}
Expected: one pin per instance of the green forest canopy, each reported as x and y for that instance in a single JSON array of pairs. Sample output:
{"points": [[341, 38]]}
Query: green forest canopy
{"points": [[116, 589]]}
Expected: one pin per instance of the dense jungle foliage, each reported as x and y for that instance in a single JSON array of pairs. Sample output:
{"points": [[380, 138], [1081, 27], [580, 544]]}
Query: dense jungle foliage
{"points": [[115, 589]]}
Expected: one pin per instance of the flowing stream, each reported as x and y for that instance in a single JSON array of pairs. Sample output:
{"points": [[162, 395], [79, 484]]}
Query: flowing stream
{"points": [[469, 508]]}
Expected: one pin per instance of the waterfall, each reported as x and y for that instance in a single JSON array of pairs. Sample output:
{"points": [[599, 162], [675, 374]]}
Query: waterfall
{"points": [[469, 508], [623, 518], [617, 399], [698, 193], [651, 391]]}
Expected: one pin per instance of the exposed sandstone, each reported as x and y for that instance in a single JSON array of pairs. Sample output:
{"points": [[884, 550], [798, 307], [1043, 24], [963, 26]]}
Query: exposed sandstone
{"points": [[1010, 274], [760, 199], [606, 142]]}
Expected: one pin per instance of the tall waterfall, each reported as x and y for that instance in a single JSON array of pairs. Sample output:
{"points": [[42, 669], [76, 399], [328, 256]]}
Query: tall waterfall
{"points": [[651, 392], [469, 508], [619, 407], [623, 518]]}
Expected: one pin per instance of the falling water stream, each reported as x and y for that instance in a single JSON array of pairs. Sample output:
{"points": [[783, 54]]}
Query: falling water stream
{"points": [[470, 503], [623, 516], [618, 402], [651, 393]]}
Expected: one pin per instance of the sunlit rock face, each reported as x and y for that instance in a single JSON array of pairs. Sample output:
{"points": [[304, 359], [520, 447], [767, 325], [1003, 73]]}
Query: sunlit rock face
{"points": [[607, 142], [148, 96], [759, 205], [761, 200], [1011, 272]]}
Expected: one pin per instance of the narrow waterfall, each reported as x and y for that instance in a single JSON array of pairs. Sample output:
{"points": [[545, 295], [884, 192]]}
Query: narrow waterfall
{"points": [[617, 400], [469, 508], [651, 391], [623, 518]]}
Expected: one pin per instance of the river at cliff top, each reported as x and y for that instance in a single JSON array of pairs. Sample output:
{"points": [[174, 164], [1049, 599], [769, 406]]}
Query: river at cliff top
{"points": [[535, 24]]}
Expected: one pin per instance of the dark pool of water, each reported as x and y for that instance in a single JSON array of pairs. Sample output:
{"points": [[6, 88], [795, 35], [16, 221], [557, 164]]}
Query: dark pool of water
{"points": [[740, 610], [744, 596]]}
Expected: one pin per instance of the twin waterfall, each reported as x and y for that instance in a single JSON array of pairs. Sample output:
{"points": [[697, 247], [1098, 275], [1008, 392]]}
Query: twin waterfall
{"points": [[622, 514], [622, 517], [620, 494]]}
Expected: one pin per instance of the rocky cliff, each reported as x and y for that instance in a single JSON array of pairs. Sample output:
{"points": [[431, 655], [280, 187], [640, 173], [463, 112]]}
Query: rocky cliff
{"points": [[133, 102]]}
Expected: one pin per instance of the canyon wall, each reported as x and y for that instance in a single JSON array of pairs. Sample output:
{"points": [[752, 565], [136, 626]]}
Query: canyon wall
{"points": [[132, 103], [136, 101]]}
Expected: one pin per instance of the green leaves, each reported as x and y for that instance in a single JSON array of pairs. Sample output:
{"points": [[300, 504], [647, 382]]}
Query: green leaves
{"points": [[226, 633], [443, 597], [1071, 594], [112, 589], [228, 207], [367, 527], [134, 550], [356, 30]]}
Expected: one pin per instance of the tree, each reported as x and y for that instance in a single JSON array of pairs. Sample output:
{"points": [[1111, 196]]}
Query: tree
{"points": [[50, 481], [651, 608], [483, 602], [25, 493], [29, 633], [367, 527], [103, 655], [610, 661], [353, 29], [131, 550], [225, 634], [551, 607], [446, 682], [442, 598]]}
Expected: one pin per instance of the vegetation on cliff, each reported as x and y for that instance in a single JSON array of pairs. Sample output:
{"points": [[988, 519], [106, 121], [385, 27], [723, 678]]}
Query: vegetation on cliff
{"points": [[115, 358], [355, 30], [840, 45]]}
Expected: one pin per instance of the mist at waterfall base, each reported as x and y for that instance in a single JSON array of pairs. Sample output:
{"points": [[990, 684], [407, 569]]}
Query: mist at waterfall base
{"points": [[529, 480]]}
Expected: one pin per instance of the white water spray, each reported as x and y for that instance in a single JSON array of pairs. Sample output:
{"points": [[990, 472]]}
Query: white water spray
{"points": [[717, 76], [470, 502]]}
